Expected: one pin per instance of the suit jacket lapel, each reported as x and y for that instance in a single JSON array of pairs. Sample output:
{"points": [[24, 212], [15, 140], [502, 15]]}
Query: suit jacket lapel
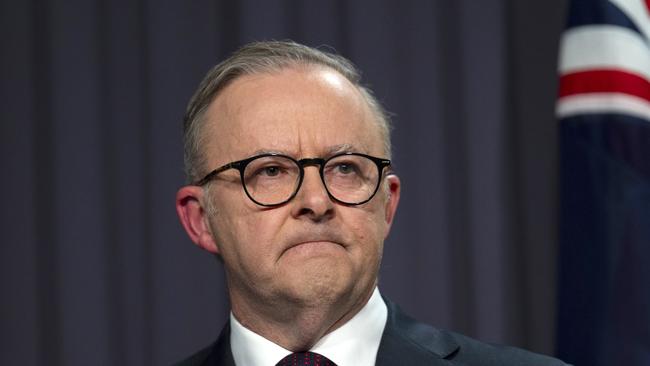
{"points": [[407, 342], [221, 353]]}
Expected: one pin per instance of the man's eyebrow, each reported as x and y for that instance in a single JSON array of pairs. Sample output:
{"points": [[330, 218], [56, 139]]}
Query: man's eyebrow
{"points": [[341, 149], [332, 150], [268, 151]]}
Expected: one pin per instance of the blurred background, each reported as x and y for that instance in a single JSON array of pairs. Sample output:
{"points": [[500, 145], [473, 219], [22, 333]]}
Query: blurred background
{"points": [[95, 268]]}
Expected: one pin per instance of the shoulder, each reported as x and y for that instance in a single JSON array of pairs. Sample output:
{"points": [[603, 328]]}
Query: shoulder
{"points": [[218, 353], [474, 352], [197, 358], [422, 342]]}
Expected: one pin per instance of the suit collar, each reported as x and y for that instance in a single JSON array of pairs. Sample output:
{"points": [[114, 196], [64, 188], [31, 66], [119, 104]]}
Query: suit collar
{"points": [[221, 354], [406, 341]]}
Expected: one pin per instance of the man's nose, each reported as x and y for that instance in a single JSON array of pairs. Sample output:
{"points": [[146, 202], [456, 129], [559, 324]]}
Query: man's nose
{"points": [[312, 199]]}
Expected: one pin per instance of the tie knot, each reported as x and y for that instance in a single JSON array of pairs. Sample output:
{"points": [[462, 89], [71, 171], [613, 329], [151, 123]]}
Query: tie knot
{"points": [[305, 359]]}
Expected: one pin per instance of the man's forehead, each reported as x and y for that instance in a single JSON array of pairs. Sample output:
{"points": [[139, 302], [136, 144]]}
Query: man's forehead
{"points": [[293, 112], [295, 77]]}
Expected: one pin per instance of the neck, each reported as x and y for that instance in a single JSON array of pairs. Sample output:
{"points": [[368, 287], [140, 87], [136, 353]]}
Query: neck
{"points": [[295, 325]]}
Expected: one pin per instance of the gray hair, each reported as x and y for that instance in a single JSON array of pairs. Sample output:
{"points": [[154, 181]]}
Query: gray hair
{"points": [[257, 58]]}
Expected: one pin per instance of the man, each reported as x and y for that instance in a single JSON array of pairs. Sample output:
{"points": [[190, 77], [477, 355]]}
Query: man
{"points": [[288, 156]]}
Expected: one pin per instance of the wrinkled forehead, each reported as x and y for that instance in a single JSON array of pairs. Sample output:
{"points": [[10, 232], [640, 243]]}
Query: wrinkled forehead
{"points": [[295, 111]]}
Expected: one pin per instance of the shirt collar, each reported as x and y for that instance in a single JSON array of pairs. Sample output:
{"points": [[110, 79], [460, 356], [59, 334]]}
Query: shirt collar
{"points": [[354, 343]]}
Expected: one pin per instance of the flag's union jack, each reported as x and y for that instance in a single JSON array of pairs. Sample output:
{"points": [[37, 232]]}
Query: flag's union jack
{"points": [[605, 59]]}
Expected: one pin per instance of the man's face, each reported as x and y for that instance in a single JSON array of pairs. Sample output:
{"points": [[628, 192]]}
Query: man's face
{"points": [[310, 250]]}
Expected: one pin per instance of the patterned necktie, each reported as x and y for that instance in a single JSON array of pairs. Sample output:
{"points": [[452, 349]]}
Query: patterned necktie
{"points": [[305, 359]]}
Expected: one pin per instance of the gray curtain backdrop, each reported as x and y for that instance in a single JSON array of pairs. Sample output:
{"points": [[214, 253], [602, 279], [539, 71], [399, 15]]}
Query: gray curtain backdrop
{"points": [[95, 268]]}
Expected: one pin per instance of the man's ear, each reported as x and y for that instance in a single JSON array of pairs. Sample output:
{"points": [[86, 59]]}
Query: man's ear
{"points": [[394, 186], [194, 217]]}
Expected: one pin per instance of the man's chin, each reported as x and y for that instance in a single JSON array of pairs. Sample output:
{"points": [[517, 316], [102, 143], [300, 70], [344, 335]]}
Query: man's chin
{"points": [[321, 285]]}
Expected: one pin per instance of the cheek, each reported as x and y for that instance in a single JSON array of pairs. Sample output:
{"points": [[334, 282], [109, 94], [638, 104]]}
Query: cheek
{"points": [[369, 228], [247, 237]]}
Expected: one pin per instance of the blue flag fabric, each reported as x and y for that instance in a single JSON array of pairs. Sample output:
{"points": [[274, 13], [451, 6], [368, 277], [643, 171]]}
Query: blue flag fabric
{"points": [[604, 231]]}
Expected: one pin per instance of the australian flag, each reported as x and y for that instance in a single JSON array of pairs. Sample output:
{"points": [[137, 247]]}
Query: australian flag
{"points": [[604, 252]]}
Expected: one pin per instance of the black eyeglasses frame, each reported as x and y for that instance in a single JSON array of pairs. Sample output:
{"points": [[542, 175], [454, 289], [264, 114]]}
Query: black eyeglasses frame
{"points": [[240, 165]]}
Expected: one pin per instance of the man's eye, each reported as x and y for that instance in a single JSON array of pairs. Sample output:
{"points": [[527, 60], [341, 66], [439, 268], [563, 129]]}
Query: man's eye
{"points": [[344, 168], [270, 171]]}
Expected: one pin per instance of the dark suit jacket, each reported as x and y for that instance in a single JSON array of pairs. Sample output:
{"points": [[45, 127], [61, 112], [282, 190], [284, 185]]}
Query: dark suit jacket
{"points": [[406, 342]]}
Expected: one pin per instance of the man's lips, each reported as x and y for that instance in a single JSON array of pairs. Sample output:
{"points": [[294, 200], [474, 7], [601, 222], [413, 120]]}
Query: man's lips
{"points": [[314, 240], [313, 247]]}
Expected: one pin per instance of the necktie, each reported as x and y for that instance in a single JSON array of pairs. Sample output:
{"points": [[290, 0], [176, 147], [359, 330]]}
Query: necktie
{"points": [[305, 359]]}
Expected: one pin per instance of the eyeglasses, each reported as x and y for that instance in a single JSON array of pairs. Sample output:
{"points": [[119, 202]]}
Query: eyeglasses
{"points": [[274, 179]]}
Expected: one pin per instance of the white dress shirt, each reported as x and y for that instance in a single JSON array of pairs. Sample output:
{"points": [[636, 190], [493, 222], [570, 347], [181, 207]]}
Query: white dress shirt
{"points": [[355, 343]]}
